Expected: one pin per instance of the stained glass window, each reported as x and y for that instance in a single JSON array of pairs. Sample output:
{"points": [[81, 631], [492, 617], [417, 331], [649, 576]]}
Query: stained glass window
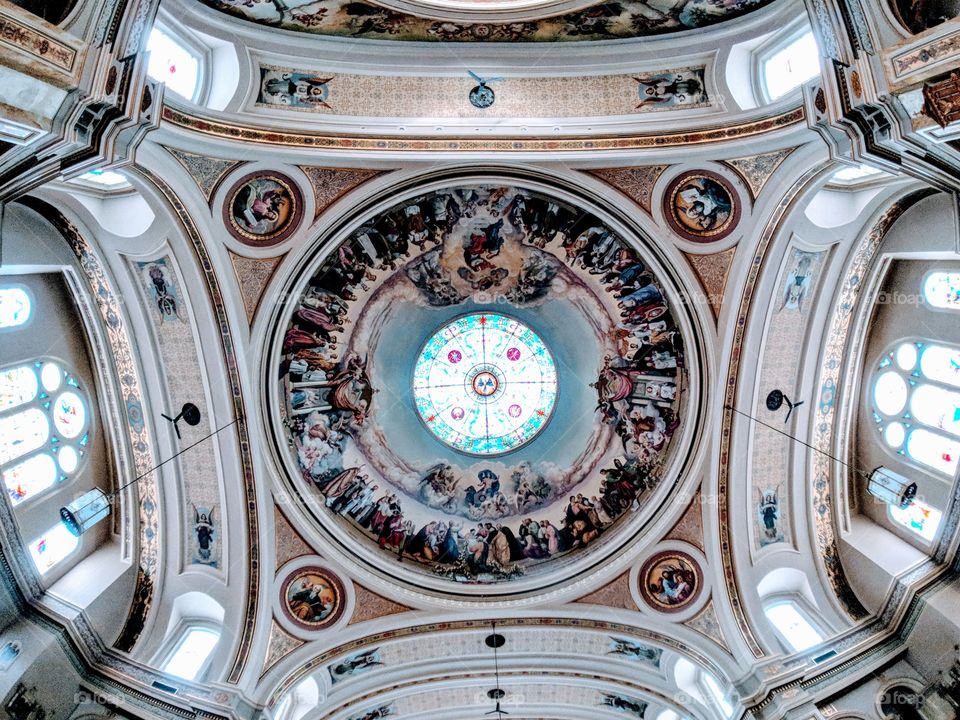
{"points": [[485, 384], [942, 290], [52, 547], [919, 518], [797, 631], [14, 307], [917, 406], [43, 428]]}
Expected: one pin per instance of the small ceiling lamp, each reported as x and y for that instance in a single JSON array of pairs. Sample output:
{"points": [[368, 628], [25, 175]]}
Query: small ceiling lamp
{"points": [[891, 487], [776, 399], [189, 413], [495, 641]]}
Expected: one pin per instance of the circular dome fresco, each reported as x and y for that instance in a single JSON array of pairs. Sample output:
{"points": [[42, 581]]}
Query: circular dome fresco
{"points": [[482, 388]]}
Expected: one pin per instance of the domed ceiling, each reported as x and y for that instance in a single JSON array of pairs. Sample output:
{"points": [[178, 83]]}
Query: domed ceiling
{"points": [[481, 383], [493, 20]]}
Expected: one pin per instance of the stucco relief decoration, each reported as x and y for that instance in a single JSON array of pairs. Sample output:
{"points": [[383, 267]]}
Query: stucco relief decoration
{"points": [[701, 206], [600, 21], [481, 381], [263, 209], [312, 598], [670, 581]]}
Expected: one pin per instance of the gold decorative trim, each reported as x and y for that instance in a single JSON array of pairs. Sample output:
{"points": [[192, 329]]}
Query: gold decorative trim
{"points": [[370, 605], [280, 644], [355, 144], [756, 170], [32, 41], [712, 271]]}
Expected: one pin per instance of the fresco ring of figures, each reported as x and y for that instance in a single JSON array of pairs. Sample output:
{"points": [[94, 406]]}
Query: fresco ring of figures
{"points": [[262, 209], [701, 206], [482, 11], [390, 492]]}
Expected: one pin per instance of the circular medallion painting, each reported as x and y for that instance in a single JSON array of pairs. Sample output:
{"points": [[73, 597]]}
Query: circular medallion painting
{"points": [[479, 384], [263, 209], [485, 384], [701, 206], [312, 598], [670, 581]]}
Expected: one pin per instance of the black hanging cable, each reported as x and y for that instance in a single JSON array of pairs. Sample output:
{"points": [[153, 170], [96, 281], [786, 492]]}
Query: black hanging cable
{"points": [[159, 465], [853, 468]]}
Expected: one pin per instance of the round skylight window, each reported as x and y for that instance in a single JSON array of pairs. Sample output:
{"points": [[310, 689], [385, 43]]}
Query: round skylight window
{"points": [[485, 384]]}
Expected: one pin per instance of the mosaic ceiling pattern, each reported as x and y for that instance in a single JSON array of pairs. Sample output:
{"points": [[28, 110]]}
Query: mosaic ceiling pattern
{"points": [[603, 21], [348, 378]]}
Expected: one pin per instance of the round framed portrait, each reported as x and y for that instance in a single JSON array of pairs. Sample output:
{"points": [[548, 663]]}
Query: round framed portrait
{"points": [[312, 597], [263, 209], [701, 206], [670, 581]]}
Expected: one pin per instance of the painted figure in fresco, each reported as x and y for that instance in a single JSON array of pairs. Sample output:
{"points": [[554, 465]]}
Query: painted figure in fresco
{"points": [[768, 509], [205, 532], [920, 15], [355, 664], [261, 206], [166, 302], [635, 651], [629, 705], [311, 599], [680, 89], [702, 204], [675, 584], [798, 282], [376, 714], [294, 89]]}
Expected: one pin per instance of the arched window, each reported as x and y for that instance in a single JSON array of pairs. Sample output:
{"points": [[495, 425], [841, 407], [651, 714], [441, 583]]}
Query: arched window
{"points": [[15, 307], [44, 428], [942, 290], [192, 653], [52, 547], [792, 625], [174, 63], [788, 64], [916, 403], [719, 698]]}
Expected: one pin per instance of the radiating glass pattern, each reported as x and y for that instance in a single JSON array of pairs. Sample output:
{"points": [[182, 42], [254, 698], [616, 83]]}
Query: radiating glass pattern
{"points": [[485, 384]]}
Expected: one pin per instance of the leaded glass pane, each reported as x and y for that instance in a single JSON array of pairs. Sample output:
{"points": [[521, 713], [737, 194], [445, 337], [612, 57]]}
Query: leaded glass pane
{"points": [[934, 450], [942, 290], [937, 408], [21, 433], [17, 386], [941, 364], [69, 414], [52, 547], [919, 518], [29, 478], [14, 307]]}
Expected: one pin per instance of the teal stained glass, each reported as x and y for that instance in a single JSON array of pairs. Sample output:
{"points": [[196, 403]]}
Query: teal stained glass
{"points": [[485, 384]]}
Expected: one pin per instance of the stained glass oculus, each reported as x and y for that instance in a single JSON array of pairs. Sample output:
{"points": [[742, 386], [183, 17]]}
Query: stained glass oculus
{"points": [[485, 384]]}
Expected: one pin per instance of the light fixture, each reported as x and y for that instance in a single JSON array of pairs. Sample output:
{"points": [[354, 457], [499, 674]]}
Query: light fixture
{"points": [[776, 399], [495, 641]]}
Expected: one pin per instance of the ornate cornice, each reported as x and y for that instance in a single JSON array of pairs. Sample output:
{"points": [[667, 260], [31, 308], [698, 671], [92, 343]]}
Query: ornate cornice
{"points": [[354, 144]]}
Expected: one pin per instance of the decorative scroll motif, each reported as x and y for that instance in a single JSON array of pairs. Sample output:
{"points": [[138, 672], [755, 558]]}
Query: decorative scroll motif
{"points": [[163, 304], [207, 172], [253, 276], [370, 605], [712, 272], [280, 644], [615, 594], [39, 44], [707, 623], [670, 581], [330, 184], [634, 182], [263, 209], [935, 51], [701, 206], [128, 376], [942, 99], [602, 21], [757, 169], [289, 543], [243, 440], [682, 88], [821, 473], [658, 139]]}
